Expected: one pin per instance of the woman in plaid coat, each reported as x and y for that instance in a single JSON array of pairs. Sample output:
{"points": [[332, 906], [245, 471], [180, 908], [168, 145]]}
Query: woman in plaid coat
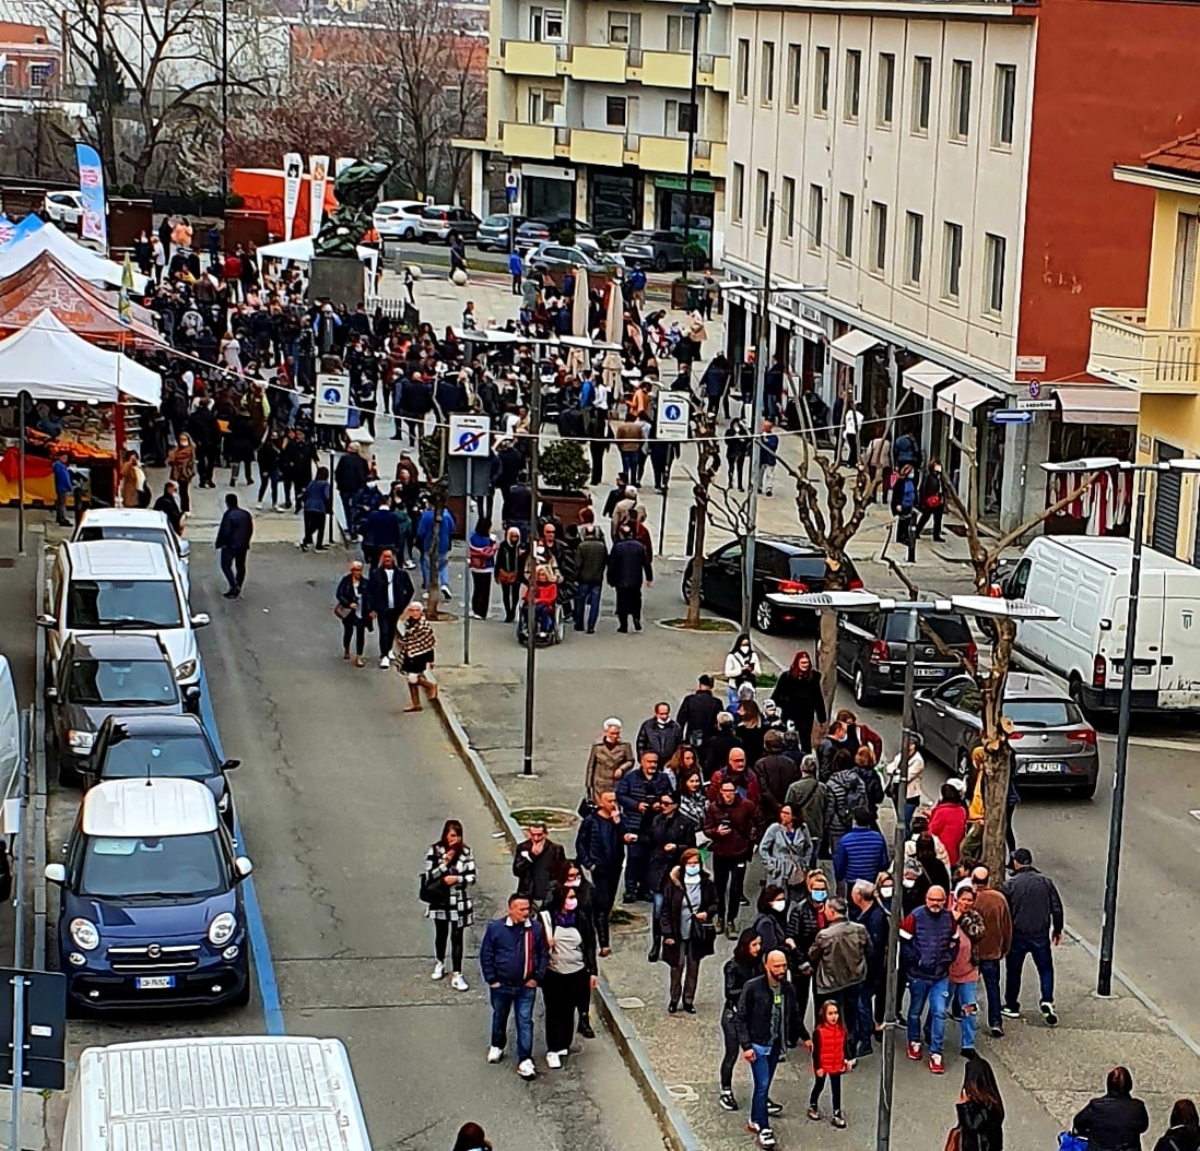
{"points": [[450, 868]]}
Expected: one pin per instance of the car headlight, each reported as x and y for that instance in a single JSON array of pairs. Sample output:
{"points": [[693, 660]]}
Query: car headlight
{"points": [[84, 934], [186, 670], [81, 740], [221, 929]]}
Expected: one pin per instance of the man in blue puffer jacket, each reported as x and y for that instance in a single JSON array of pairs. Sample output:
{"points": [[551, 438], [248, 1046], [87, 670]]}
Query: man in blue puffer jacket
{"points": [[929, 942], [861, 853], [513, 958]]}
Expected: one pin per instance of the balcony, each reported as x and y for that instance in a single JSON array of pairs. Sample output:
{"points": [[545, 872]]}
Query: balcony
{"points": [[523, 58], [662, 154], [1150, 360], [667, 69], [606, 149], [528, 141], [604, 65]]}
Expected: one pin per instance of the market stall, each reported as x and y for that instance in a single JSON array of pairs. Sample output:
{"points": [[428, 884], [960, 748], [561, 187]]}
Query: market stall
{"points": [[81, 261]]}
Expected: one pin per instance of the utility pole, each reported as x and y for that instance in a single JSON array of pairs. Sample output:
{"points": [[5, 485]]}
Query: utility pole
{"points": [[535, 423], [760, 384], [695, 11], [224, 103]]}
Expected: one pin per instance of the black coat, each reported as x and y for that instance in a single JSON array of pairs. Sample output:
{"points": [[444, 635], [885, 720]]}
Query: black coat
{"points": [[351, 472], [737, 975], [754, 1015], [236, 530], [202, 427], [800, 701], [402, 590], [1113, 1123], [676, 829], [628, 563], [698, 716], [1179, 1139], [982, 1128], [671, 919]]}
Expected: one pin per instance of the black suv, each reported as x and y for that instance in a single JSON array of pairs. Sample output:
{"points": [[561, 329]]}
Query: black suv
{"points": [[871, 651]]}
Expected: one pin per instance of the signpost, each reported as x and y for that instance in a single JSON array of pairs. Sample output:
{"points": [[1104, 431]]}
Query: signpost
{"points": [[331, 404], [1011, 416], [512, 193], [470, 437], [674, 411], [1037, 405]]}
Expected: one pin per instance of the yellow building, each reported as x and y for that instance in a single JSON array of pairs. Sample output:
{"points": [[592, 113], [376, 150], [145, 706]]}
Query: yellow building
{"points": [[590, 106], [1155, 350]]}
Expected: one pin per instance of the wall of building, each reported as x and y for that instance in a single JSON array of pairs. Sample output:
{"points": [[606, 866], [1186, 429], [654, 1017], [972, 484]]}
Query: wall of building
{"points": [[1173, 420], [1113, 81], [1168, 207]]}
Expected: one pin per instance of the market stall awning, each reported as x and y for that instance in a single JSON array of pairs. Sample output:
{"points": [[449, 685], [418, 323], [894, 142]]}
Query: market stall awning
{"points": [[83, 262], [961, 399], [848, 348], [300, 250], [47, 360], [924, 376], [1097, 405], [86, 310]]}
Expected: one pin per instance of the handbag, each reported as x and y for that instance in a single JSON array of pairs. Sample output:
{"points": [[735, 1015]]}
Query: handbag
{"points": [[933, 500], [342, 610], [702, 930], [505, 577], [586, 807], [433, 891], [1069, 1141]]}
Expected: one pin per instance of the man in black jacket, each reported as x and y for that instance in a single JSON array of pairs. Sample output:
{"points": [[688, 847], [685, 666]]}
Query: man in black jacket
{"points": [[350, 476], [697, 715], [233, 542], [660, 733], [389, 592], [593, 562], [168, 504], [627, 564], [202, 427], [1116, 1120], [538, 864], [1037, 919], [764, 1034], [600, 846]]}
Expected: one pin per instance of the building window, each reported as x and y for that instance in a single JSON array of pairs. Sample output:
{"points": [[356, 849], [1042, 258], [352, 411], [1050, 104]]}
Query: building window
{"points": [[853, 83], [688, 120], [738, 195], [994, 250], [821, 83], [879, 227], [542, 104], [788, 207], [743, 70], [767, 92], [1004, 105], [762, 183], [952, 247], [618, 28], [914, 244], [922, 93], [845, 226], [615, 111], [885, 90], [960, 100], [545, 24], [794, 75], [39, 74], [816, 217], [681, 30], [677, 117]]}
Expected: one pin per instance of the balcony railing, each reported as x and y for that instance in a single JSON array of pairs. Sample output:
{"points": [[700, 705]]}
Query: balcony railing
{"points": [[1151, 360]]}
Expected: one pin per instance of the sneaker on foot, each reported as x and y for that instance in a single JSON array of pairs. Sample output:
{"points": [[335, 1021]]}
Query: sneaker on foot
{"points": [[814, 1114], [914, 1052], [774, 1108], [553, 1060], [495, 1054], [526, 1069], [936, 1065], [446, 593], [1049, 1014], [439, 969], [459, 983], [1011, 1012], [385, 661], [996, 1032], [766, 1138], [839, 1120], [728, 1102]]}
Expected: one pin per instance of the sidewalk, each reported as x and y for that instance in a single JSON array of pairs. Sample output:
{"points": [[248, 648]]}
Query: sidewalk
{"points": [[1045, 1076]]}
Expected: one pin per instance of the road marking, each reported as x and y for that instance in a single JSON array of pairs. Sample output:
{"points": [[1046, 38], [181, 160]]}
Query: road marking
{"points": [[1194, 813], [1157, 744], [260, 947]]}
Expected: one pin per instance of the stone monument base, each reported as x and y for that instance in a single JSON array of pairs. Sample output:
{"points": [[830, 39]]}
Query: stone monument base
{"points": [[338, 280]]}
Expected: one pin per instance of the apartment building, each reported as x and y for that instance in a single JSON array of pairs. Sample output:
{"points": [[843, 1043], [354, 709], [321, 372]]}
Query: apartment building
{"points": [[945, 213], [589, 102]]}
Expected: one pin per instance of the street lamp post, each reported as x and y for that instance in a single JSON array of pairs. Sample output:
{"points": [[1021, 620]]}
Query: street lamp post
{"points": [[913, 609], [695, 11]]}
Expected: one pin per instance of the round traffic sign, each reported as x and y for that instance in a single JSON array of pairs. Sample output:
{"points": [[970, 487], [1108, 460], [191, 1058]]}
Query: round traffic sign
{"points": [[1035, 389], [672, 412], [332, 395], [468, 442]]}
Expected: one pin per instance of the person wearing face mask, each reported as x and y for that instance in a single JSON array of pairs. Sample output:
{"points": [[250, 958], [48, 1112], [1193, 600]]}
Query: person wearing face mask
{"points": [[670, 832], [689, 908], [805, 920], [807, 798], [660, 733], [741, 661], [770, 922], [839, 959], [931, 499], [730, 824], [800, 699], [571, 972], [929, 939]]}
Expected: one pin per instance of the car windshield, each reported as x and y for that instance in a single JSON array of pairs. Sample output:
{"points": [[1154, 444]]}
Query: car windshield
{"points": [[123, 604], [1042, 712], [950, 629], [173, 757], [121, 532], [496, 221], [639, 237], [122, 683], [129, 867]]}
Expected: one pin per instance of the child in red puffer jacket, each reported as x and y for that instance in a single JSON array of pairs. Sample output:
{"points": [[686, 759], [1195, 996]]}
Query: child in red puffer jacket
{"points": [[829, 1044]]}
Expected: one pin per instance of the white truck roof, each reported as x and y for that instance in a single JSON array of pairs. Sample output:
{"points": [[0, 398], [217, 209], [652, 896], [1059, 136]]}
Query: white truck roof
{"points": [[237, 1093], [1114, 552]]}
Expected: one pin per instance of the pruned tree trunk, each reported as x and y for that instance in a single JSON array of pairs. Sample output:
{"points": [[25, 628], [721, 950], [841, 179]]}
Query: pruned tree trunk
{"points": [[709, 460], [432, 453], [827, 657]]}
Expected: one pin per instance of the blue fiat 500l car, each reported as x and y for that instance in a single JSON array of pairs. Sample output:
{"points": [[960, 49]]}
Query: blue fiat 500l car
{"points": [[151, 908]]}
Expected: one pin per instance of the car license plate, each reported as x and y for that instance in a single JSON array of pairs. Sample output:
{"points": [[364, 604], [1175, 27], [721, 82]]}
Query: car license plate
{"points": [[155, 982], [931, 672], [1044, 767]]}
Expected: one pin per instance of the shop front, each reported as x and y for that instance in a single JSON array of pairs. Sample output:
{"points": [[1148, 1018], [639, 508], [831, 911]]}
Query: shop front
{"points": [[615, 201], [671, 207], [961, 440], [547, 193]]}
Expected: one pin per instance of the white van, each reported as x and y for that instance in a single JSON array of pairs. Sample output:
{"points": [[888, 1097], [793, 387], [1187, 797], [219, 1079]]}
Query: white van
{"points": [[1085, 579], [249, 1093], [136, 524]]}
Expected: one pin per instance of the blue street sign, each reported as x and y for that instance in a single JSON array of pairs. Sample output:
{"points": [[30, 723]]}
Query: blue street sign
{"points": [[333, 395], [510, 195], [1011, 416], [1035, 389], [672, 412]]}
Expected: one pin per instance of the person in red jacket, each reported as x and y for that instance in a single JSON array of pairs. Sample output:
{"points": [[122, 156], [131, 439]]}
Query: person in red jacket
{"points": [[948, 821], [738, 773], [730, 823], [829, 1044]]}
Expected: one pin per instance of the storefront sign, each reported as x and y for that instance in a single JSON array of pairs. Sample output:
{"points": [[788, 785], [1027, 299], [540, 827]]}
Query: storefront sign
{"points": [[1031, 364], [1037, 405], [679, 184]]}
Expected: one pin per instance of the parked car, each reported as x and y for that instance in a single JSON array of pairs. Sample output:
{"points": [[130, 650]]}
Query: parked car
{"points": [[496, 231], [533, 232], [65, 208], [137, 524], [100, 675], [783, 569], [151, 907], [1052, 744], [658, 250], [439, 220], [871, 651], [398, 219], [120, 586], [163, 747], [550, 255]]}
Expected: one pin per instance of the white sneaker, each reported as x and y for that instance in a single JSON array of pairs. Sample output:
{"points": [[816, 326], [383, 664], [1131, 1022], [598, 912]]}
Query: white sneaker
{"points": [[526, 1069], [409, 565], [446, 592], [281, 508], [385, 661], [459, 983], [495, 1054], [553, 1060], [258, 505], [439, 969]]}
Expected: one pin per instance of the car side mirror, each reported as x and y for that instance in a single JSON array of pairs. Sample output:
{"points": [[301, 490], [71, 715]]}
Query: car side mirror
{"points": [[201, 619], [51, 693], [242, 867], [45, 620], [230, 764], [185, 548], [55, 873]]}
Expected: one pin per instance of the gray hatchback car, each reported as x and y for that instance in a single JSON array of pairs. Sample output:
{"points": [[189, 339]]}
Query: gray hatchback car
{"points": [[1052, 744]]}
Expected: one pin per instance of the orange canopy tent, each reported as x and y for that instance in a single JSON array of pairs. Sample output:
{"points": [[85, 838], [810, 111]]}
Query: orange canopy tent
{"points": [[261, 190]]}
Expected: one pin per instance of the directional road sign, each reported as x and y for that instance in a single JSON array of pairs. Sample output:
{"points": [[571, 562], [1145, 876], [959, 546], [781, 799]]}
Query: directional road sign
{"points": [[1011, 416], [470, 436], [674, 408], [332, 403]]}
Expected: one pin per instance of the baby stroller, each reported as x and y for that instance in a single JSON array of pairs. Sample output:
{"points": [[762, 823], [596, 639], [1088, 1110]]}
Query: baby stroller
{"points": [[551, 623]]}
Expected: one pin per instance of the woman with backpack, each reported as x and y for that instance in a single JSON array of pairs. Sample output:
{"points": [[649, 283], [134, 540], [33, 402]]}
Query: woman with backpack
{"points": [[445, 889]]}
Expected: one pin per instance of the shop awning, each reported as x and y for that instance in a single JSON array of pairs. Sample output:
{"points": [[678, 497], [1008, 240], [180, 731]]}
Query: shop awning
{"points": [[1098, 405], [847, 349], [924, 376], [796, 322], [961, 399]]}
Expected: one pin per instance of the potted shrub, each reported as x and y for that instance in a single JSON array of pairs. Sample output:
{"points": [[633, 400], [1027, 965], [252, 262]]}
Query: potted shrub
{"points": [[563, 471]]}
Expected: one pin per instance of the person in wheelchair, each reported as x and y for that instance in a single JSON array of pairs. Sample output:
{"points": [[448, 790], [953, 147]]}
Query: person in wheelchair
{"points": [[545, 595]]}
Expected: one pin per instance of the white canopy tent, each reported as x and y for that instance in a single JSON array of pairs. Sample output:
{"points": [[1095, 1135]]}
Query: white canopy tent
{"points": [[300, 250], [83, 262], [50, 362]]}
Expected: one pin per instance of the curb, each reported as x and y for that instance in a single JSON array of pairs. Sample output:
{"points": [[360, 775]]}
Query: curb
{"points": [[675, 1127], [39, 772]]}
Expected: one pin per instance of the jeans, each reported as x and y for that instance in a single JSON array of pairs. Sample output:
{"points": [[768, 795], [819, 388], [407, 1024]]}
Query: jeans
{"points": [[860, 1022], [443, 570], [990, 970], [935, 992], [505, 999], [631, 463], [910, 809], [354, 627], [587, 595], [763, 1071], [965, 995], [732, 1048], [656, 902], [233, 567], [388, 621], [604, 895], [1043, 960]]}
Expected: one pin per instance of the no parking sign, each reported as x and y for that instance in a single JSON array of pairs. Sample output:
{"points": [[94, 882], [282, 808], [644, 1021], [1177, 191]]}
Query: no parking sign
{"points": [[470, 436]]}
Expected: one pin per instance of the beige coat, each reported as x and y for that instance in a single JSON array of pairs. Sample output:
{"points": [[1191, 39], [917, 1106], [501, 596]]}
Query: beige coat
{"points": [[606, 765]]}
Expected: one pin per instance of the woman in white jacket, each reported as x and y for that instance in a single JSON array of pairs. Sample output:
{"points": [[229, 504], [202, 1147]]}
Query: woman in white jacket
{"points": [[741, 666], [912, 792]]}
